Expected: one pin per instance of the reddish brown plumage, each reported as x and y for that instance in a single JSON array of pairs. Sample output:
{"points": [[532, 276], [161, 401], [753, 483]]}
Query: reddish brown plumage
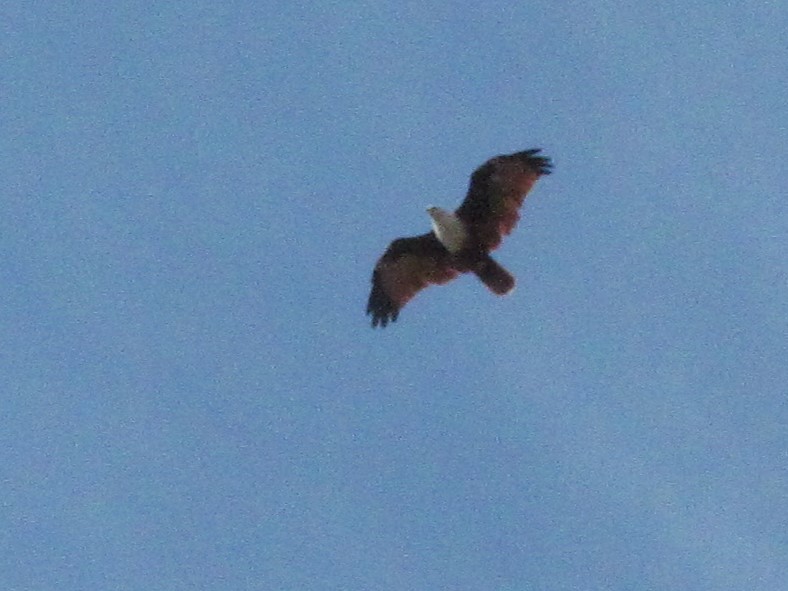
{"points": [[496, 193], [408, 266], [490, 211]]}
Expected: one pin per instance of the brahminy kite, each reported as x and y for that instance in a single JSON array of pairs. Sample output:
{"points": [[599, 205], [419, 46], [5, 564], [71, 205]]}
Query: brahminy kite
{"points": [[460, 242]]}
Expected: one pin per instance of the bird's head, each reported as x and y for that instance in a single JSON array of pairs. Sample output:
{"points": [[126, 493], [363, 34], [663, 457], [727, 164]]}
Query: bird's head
{"points": [[435, 212], [448, 228]]}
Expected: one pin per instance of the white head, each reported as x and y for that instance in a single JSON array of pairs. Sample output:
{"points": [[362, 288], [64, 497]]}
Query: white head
{"points": [[437, 213], [448, 228]]}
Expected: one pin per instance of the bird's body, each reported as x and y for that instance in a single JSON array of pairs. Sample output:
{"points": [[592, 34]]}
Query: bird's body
{"points": [[461, 241]]}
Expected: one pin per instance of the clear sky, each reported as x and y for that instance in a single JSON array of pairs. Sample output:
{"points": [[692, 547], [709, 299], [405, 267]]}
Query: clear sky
{"points": [[194, 195]]}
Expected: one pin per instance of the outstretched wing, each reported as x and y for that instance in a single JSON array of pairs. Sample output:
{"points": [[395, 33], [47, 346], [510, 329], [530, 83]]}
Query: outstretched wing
{"points": [[408, 266], [496, 192]]}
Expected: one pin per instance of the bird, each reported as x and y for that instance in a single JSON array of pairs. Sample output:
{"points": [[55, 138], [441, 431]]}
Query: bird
{"points": [[460, 241]]}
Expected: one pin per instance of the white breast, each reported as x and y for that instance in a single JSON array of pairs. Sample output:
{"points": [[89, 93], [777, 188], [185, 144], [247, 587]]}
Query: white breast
{"points": [[448, 228]]}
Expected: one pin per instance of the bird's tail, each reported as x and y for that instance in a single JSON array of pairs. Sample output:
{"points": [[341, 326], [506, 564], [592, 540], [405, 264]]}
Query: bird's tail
{"points": [[494, 276]]}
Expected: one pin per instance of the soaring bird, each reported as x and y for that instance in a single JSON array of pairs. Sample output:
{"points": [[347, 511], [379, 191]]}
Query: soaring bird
{"points": [[460, 241]]}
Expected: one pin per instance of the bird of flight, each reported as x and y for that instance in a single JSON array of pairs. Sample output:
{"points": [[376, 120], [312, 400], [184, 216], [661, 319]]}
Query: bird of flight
{"points": [[460, 242]]}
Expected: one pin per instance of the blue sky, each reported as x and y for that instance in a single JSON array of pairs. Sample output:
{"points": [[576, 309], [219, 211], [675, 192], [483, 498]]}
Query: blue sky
{"points": [[194, 196]]}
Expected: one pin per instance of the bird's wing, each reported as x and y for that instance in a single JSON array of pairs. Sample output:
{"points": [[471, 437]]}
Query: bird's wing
{"points": [[408, 266], [496, 192]]}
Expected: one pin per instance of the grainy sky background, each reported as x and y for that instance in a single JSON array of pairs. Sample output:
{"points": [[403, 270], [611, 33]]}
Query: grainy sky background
{"points": [[193, 197]]}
